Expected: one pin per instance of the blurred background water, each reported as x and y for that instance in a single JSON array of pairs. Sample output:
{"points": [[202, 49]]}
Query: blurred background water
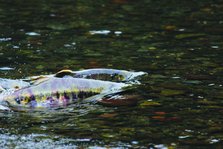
{"points": [[179, 44]]}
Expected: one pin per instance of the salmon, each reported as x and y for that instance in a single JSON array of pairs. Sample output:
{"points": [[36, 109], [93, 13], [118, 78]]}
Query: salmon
{"points": [[60, 91]]}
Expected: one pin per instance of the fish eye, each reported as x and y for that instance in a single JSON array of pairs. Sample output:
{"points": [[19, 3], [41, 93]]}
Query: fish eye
{"points": [[16, 87]]}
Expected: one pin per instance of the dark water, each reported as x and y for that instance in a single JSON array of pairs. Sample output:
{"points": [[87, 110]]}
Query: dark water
{"points": [[179, 43]]}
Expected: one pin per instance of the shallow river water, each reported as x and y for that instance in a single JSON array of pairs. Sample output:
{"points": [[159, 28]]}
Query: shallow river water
{"points": [[179, 45]]}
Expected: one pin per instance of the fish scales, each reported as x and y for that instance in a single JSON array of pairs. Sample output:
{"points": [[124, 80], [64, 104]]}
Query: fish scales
{"points": [[60, 91]]}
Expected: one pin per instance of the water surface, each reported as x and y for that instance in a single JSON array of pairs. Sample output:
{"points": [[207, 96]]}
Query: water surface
{"points": [[178, 44]]}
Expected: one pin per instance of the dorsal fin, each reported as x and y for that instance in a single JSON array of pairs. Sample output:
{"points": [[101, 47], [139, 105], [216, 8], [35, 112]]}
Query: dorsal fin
{"points": [[65, 72]]}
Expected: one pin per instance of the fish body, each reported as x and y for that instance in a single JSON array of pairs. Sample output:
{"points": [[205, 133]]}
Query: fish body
{"points": [[66, 87], [60, 91], [108, 74]]}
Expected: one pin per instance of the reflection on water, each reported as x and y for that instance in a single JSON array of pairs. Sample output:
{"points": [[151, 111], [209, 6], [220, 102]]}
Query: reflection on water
{"points": [[178, 44]]}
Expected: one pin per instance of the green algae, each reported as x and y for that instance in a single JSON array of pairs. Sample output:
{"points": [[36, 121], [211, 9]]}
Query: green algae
{"points": [[185, 36], [169, 92], [149, 103]]}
